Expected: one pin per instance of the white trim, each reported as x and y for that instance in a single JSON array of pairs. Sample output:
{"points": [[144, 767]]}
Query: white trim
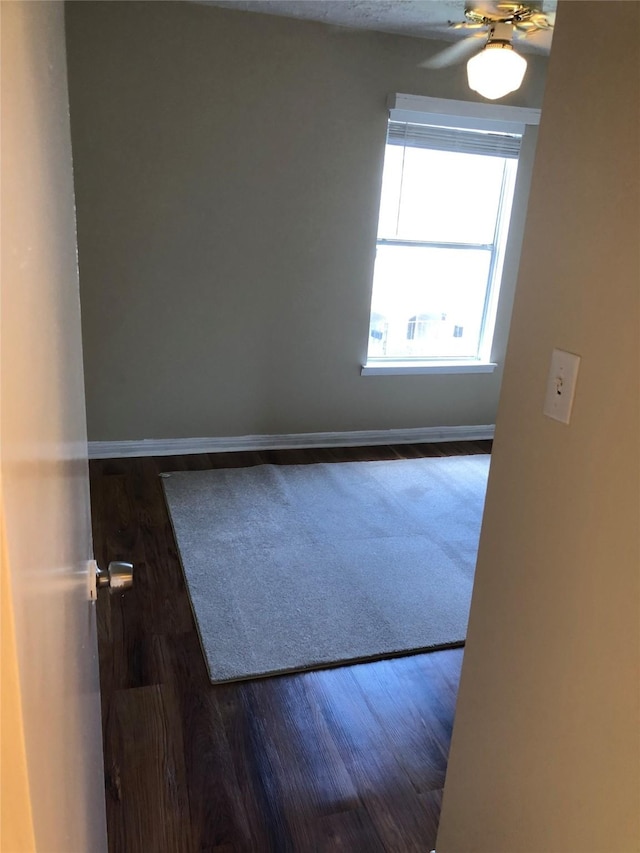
{"points": [[354, 438], [384, 367], [473, 114]]}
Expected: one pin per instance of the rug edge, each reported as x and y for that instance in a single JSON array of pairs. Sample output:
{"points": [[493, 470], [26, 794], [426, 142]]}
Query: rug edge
{"points": [[316, 667]]}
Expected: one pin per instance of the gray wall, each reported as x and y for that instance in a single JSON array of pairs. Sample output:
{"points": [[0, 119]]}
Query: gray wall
{"points": [[546, 743], [227, 171]]}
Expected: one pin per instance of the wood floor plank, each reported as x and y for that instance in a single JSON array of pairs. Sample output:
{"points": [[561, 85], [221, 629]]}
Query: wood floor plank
{"points": [[346, 832], [418, 739], [122, 637], [246, 732], [214, 773], [433, 680], [388, 794], [241, 459], [432, 804], [147, 806], [309, 770], [292, 457]]}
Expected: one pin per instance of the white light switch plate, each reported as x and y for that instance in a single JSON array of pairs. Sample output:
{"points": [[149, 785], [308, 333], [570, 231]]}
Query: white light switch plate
{"points": [[561, 385]]}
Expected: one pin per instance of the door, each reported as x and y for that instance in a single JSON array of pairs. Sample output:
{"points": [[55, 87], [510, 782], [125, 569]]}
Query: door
{"points": [[51, 746]]}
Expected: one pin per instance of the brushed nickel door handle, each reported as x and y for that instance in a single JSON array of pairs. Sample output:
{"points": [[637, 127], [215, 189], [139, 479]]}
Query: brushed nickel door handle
{"points": [[118, 576]]}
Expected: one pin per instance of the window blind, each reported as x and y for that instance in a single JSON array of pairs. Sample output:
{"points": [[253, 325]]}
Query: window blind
{"points": [[456, 139]]}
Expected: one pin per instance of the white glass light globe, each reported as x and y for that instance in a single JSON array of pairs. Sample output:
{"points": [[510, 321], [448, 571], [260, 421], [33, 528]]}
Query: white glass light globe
{"points": [[496, 71]]}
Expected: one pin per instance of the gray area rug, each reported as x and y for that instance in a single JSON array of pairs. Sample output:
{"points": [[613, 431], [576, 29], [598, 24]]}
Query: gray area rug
{"points": [[297, 567]]}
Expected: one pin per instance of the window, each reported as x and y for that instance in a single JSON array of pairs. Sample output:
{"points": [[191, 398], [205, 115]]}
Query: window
{"points": [[447, 191]]}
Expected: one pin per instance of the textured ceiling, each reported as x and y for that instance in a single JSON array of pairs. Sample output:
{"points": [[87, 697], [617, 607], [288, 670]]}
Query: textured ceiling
{"points": [[418, 18]]}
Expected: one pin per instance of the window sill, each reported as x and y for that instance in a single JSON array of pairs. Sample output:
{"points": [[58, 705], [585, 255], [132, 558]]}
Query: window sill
{"points": [[406, 368]]}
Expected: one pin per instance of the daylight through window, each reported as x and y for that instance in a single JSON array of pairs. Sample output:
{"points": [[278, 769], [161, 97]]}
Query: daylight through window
{"points": [[445, 205]]}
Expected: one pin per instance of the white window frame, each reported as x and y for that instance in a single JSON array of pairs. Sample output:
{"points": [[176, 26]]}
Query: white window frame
{"points": [[419, 109]]}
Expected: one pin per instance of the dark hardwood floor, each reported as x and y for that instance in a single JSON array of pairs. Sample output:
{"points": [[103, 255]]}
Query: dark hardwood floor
{"points": [[344, 759]]}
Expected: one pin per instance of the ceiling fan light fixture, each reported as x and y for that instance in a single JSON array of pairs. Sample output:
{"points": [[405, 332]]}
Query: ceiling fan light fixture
{"points": [[496, 70]]}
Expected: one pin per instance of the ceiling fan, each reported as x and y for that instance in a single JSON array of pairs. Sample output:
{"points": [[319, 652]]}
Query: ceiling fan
{"points": [[494, 67]]}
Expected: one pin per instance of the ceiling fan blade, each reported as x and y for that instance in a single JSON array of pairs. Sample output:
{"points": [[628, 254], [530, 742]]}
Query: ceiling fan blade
{"points": [[466, 25], [458, 52], [539, 39]]}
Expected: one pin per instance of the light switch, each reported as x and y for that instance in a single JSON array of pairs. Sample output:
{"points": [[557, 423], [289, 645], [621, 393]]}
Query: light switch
{"points": [[561, 385]]}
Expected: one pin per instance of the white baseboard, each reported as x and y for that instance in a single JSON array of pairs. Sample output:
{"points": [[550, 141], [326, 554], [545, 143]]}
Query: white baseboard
{"points": [[183, 446]]}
